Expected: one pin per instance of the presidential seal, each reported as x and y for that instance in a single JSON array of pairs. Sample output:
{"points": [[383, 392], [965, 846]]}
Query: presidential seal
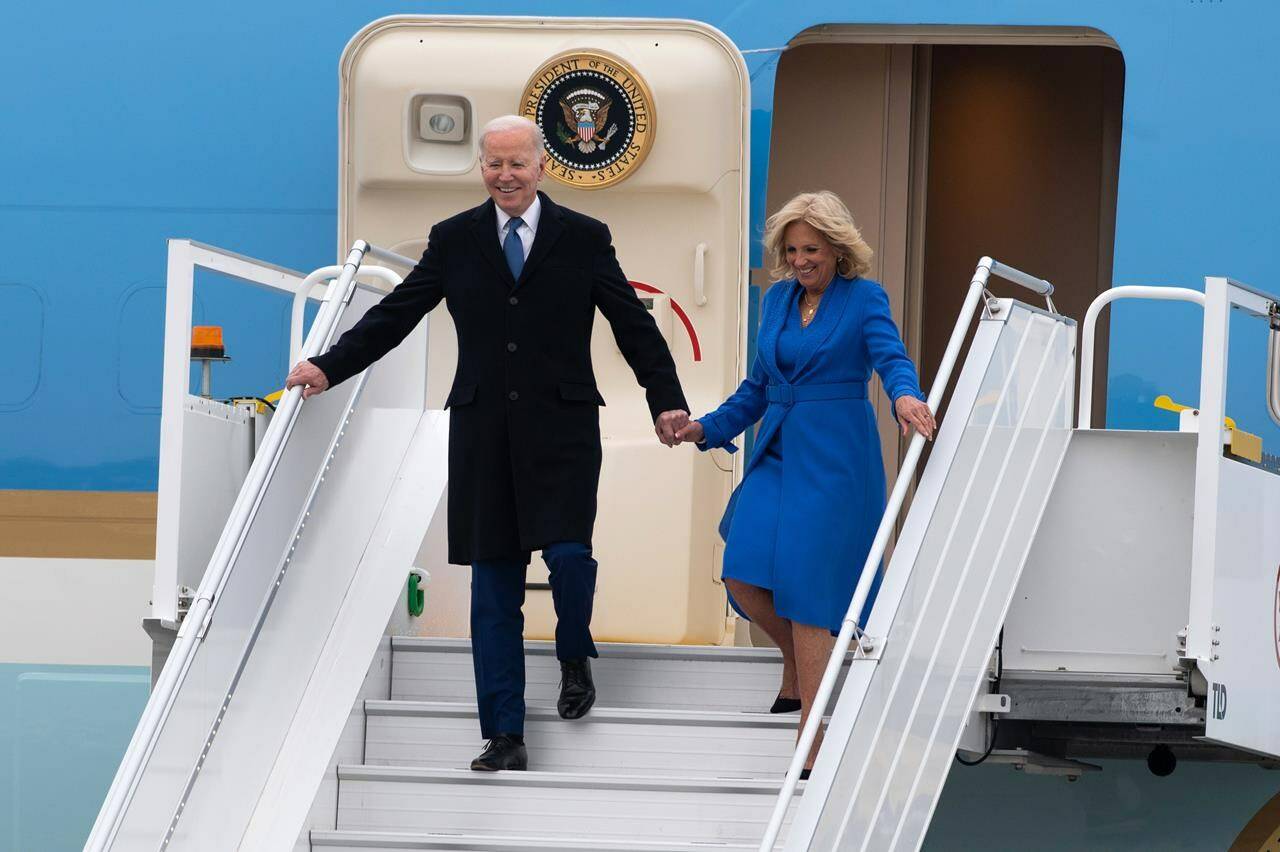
{"points": [[597, 116]]}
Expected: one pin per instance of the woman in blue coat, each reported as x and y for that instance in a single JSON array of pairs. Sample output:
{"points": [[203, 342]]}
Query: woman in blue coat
{"points": [[800, 525]]}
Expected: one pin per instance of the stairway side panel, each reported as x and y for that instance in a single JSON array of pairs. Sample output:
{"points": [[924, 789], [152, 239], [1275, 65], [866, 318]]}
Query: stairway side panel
{"points": [[937, 581], [859, 712], [995, 563], [375, 593], [201, 694], [281, 663], [954, 587]]}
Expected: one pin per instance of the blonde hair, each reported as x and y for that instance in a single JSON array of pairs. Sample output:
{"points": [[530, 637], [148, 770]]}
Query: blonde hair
{"points": [[828, 215]]}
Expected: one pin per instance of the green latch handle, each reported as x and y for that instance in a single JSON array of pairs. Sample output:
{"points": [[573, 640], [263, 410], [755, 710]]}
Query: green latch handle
{"points": [[416, 596]]}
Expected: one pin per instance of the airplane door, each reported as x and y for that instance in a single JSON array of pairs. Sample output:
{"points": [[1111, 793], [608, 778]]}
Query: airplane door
{"points": [[658, 150]]}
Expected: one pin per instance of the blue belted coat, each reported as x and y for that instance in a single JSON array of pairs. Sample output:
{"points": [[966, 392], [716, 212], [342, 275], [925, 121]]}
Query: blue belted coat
{"points": [[803, 519]]}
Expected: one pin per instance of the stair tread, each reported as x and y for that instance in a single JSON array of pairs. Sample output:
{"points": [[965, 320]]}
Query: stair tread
{"points": [[450, 840], [746, 719], [615, 650], [542, 804], [649, 676], [541, 778]]}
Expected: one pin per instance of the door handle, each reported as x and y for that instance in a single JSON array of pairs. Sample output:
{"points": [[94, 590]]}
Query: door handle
{"points": [[700, 275]]}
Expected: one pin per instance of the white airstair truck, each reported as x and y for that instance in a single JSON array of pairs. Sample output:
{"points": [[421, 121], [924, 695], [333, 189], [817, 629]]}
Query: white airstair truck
{"points": [[1055, 592], [286, 717]]}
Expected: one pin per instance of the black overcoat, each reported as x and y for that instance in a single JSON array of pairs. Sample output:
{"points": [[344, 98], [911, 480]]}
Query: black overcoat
{"points": [[524, 428]]}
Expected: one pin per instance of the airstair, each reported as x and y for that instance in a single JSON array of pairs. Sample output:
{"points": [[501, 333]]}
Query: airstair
{"points": [[294, 714]]}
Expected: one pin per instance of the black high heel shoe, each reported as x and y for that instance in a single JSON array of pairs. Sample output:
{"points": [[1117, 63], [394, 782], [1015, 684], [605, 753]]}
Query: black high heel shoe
{"points": [[785, 705]]}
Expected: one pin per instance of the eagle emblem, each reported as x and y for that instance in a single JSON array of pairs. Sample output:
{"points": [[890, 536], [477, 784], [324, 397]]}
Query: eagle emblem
{"points": [[586, 112], [596, 114]]}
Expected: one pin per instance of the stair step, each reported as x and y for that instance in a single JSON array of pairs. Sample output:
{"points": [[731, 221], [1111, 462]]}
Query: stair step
{"points": [[618, 741], [364, 841], [548, 804], [675, 677]]}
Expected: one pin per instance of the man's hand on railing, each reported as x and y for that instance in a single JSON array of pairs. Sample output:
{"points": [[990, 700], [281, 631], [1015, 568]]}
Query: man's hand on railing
{"points": [[311, 377]]}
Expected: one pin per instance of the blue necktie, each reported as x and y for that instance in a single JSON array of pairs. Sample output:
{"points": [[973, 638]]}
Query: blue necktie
{"points": [[513, 248]]}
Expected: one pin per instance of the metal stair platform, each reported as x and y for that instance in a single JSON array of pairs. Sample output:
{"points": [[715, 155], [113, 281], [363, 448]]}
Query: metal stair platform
{"points": [[679, 753], [398, 840]]}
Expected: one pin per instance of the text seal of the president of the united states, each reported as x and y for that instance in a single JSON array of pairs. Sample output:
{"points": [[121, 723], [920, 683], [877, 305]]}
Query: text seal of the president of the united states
{"points": [[597, 115]]}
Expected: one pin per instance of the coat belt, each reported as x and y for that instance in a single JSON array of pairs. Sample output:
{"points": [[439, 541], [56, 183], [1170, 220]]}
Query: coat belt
{"points": [[788, 395]]}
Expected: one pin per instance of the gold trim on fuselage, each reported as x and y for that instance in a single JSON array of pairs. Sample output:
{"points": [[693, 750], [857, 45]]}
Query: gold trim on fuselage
{"points": [[78, 524]]}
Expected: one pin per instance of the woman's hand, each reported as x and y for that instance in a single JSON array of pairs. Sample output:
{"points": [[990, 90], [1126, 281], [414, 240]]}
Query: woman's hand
{"points": [[912, 411], [692, 432]]}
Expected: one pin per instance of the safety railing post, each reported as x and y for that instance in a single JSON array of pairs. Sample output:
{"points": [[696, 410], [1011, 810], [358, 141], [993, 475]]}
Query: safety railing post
{"points": [[1087, 333]]}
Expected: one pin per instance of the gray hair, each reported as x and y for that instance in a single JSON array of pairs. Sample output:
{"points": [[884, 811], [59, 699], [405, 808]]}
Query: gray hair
{"points": [[514, 122]]}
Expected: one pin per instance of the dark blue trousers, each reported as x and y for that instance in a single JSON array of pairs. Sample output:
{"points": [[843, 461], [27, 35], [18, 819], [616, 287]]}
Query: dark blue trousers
{"points": [[497, 627]]}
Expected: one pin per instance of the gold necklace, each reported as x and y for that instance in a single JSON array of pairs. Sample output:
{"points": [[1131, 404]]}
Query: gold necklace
{"points": [[807, 310]]}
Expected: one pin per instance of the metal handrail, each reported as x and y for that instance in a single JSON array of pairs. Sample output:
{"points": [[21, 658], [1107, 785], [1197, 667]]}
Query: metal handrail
{"points": [[308, 286], [388, 256], [1017, 276], [1161, 294], [193, 627], [906, 475], [1273, 366]]}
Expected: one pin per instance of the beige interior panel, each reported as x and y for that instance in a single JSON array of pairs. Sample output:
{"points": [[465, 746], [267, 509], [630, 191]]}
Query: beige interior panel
{"points": [[656, 530]]}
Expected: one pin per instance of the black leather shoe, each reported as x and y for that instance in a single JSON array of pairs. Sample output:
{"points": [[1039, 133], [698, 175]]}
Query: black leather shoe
{"points": [[577, 691], [785, 705], [505, 751]]}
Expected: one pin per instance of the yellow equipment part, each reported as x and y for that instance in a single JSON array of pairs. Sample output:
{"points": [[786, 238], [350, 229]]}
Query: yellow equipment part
{"points": [[1245, 445]]}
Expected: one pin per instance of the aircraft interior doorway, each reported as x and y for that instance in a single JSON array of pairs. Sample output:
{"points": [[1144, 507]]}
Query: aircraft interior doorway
{"points": [[947, 151]]}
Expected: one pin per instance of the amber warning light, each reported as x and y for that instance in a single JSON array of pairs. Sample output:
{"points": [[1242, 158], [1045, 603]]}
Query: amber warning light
{"points": [[206, 342]]}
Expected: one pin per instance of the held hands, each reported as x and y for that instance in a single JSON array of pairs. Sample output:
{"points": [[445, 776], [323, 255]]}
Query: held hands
{"points": [[913, 412], [675, 427], [691, 432], [311, 377], [669, 424]]}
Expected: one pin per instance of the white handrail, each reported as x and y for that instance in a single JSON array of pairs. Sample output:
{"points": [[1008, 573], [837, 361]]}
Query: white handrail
{"points": [[388, 256], [193, 626], [1273, 374], [986, 267], [309, 285], [1164, 294]]}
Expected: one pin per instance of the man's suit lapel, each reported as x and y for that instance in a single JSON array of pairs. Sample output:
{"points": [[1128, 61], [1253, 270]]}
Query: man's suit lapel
{"points": [[484, 227], [550, 227]]}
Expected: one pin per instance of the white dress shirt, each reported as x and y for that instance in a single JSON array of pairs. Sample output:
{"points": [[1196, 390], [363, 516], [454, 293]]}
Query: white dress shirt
{"points": [[526, 231]]}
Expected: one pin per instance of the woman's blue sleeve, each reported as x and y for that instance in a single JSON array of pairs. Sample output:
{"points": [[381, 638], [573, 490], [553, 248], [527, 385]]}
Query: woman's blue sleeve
{"points": [[744, 407], [885, 351]]}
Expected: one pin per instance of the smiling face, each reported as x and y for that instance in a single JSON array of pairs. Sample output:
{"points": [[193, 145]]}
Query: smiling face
{"points": [[511, 168], [810, 256]]}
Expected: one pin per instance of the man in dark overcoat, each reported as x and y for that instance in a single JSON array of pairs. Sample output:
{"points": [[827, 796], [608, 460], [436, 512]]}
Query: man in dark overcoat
{"points": [[522, 278]]}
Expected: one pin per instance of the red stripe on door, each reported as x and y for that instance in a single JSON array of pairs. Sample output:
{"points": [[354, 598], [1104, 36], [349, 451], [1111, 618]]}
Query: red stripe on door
{"points": [[684, 318]]}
